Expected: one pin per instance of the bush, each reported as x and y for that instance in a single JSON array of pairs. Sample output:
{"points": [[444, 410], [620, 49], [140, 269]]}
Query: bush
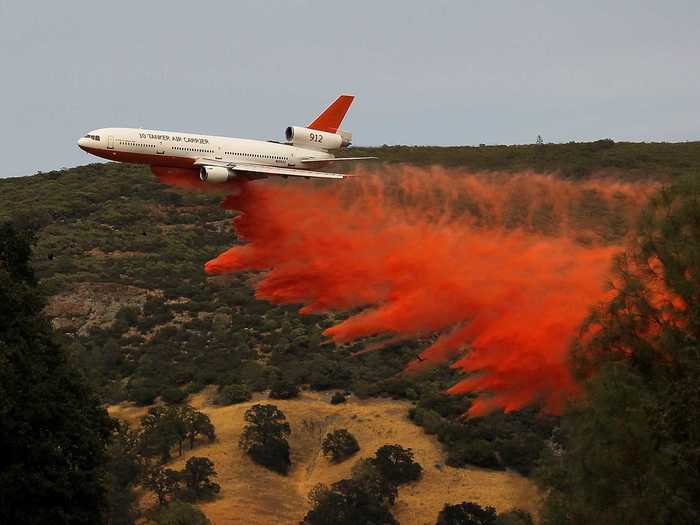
{"points": [[477, 452], [283, 389], [143, 395], [396, 464], [231, 394], [466, 513], [339, 445], [273, 454], [338, 398], [347, 502], [173, 396]]}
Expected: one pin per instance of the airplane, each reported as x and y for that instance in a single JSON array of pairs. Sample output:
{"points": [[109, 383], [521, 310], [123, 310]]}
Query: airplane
{"points": [[218, 160]]}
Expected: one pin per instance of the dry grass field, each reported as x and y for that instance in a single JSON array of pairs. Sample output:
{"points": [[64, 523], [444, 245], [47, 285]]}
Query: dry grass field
{"points": [[252, 495]]}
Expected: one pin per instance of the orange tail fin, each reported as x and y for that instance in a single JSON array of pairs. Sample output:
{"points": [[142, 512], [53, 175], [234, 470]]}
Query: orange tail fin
{"points": [[331, 118]]}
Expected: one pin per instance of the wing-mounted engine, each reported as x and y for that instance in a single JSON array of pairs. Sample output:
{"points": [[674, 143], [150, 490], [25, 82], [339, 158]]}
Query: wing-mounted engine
{"points": [[313, 138], [216, 174]]}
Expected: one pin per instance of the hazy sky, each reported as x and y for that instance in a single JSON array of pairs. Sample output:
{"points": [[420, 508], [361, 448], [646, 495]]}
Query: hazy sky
{"points": [[423, 72]]}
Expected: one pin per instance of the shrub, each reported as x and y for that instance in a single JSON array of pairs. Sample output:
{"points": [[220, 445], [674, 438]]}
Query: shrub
{"points": [[231, 394], [284, 389], [143, 395], [396, 464], [338, 398], [477, 452], [339, 445], [173, 396], [466, 513], [347, 502]]}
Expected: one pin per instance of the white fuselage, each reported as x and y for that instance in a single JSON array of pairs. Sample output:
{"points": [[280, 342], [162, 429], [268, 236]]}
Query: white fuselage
{"points": [[182, 150]]}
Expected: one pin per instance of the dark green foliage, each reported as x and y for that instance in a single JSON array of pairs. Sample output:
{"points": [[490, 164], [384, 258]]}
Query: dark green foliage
{"points": [[162, 428], [264, 438], [577, 160], [497, 440], [177, 513], [163, 482], [466, 513], [373, 482], [196, 479], [173, 396], [339, 445], [338, 398], [346, 502], [123, 471], [283, 389], [396, 464], [143, 395], [196, 424], [232, 394], [628, 451], [53, 429], [221, 329], [477, 452]]}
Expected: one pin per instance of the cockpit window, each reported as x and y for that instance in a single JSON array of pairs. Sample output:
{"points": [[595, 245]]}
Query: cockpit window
{"points": [[93, 137]]}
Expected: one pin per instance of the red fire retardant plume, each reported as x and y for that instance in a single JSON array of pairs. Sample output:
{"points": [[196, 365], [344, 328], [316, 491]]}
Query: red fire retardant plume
{"points": [[429, 253]]}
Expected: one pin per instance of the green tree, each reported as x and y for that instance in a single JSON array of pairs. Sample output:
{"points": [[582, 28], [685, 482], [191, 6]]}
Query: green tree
{"points": [[196, 424], [53, 429], [339, 445], [163, 482], [231, 394], [124, 469], [283, 389], [628, 450], [466, 513], [373, 482], [346, 502], [396, 464], [196, 477], [162, 429], [264, 438]]}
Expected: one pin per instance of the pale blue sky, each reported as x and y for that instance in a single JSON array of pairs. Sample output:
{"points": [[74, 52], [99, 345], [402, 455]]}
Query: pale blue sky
{"points": [[430, 72]]}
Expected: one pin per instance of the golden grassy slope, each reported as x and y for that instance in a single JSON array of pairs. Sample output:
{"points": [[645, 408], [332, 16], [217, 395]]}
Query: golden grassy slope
{"points": [[253, 495]]}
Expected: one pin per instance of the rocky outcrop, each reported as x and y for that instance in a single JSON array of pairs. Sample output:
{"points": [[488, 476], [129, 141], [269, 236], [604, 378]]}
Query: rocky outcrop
{"points": [[88, 305]]}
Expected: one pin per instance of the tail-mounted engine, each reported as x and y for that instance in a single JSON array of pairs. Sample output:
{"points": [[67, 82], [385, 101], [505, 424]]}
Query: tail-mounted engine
{"points": [[312, 138]]}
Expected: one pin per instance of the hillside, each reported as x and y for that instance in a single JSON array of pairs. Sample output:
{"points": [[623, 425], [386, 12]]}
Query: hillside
{"points": [[120, 257], [627, 160], [253, 495]]}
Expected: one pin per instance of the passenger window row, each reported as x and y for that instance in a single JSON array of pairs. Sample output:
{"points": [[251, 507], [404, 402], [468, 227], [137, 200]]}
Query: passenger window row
{"points": [[272, 157]]}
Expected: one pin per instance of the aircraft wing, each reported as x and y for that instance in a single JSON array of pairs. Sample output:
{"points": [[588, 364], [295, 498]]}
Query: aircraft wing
{"points": [[311, 162], [270, 170]]}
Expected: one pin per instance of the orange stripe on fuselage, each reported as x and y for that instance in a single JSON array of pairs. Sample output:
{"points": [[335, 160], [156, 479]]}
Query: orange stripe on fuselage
{"points": [[170, 161]]}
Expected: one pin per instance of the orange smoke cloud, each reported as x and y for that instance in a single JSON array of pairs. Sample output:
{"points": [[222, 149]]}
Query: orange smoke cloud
{"points": [[504, 268]]}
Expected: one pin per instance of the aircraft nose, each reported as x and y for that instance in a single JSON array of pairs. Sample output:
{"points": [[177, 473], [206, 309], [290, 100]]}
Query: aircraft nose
{"points": [[82, 142]]}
